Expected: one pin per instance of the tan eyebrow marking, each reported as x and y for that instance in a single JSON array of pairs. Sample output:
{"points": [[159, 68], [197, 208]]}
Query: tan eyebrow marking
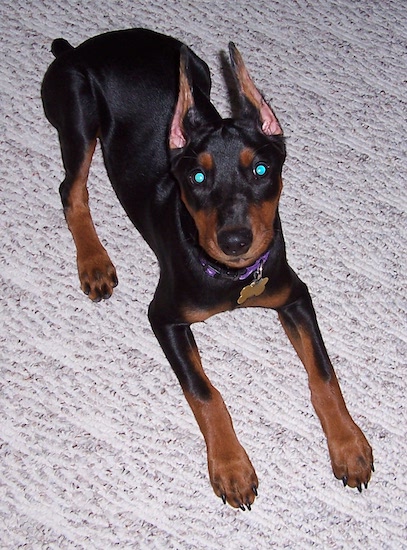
{"points": [[206, 161], [246, 157]]}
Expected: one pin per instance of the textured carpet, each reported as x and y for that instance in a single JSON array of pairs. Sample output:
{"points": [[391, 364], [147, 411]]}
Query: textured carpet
{"points": [[98, 447]]}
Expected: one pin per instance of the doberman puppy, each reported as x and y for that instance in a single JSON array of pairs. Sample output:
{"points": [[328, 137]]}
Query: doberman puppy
{"points": [[203, 191]]}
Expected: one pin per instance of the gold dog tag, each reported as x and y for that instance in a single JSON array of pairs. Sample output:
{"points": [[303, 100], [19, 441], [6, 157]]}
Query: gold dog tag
{"points": [[255, 288]]}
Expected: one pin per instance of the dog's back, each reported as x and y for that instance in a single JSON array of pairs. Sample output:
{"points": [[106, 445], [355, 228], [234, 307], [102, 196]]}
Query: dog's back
{"points": [[122, 87]]}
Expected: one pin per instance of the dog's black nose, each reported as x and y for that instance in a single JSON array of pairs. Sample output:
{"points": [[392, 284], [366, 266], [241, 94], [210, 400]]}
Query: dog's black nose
{"points": [[235, 242]]}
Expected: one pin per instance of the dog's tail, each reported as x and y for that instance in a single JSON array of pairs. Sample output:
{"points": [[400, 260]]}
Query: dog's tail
{"points": [[60, 46]]}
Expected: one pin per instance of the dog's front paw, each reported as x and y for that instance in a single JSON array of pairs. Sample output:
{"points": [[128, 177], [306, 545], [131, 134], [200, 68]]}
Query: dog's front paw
{"points": [[352, 458], [233, 478], [97, 276]]}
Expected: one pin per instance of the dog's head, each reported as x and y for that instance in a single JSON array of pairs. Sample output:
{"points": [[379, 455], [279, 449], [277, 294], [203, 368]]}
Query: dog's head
{"points": [[229, 170]]}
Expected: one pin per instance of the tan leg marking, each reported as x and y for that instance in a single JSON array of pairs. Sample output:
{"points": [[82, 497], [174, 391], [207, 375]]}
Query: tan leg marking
{"points": [[231, 473], [96, 272], [351, 454]]}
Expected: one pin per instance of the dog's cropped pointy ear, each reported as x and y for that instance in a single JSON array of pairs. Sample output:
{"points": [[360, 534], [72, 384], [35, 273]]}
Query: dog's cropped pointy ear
{"points": [[186, 115], [185, 102], [250, 97]]}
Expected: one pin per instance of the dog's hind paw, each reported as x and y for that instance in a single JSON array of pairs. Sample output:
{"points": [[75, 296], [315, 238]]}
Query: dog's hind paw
{"points": [[97, 276]]}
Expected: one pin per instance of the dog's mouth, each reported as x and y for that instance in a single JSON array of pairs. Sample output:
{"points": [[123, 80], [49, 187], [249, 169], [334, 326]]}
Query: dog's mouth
{"points": [[213, 253], [241, 262], [235, 269], [234, 248], [238, 261]]}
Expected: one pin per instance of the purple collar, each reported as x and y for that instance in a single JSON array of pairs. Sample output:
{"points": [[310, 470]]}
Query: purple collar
{"points": [[219, 271]]}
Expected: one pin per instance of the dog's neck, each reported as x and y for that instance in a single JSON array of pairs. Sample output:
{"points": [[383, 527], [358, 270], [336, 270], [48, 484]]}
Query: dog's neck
{"points": [[217, 270]]}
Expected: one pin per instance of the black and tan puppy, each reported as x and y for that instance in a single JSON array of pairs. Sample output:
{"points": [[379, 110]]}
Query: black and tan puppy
{"points": [[203, 191]]}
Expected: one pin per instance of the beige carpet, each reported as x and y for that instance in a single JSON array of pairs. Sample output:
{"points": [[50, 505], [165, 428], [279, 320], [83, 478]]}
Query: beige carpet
{"points": [[98, 447]]}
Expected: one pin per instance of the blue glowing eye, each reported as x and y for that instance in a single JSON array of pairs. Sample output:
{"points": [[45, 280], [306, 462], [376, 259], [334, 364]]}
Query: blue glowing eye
{"points": [[260, 169], [197, 176]]}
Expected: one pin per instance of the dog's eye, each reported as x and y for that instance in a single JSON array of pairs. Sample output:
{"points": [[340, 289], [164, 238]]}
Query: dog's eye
{"points": [[260, 169], [197, 176]]}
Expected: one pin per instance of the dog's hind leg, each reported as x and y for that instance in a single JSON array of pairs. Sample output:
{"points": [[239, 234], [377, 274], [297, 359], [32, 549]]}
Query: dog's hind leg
{"points": [[74, 115], [97, 274]]}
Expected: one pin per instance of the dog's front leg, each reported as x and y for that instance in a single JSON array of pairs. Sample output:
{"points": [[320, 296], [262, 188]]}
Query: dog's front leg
{"points": [[231, 473], [351, 454]]}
